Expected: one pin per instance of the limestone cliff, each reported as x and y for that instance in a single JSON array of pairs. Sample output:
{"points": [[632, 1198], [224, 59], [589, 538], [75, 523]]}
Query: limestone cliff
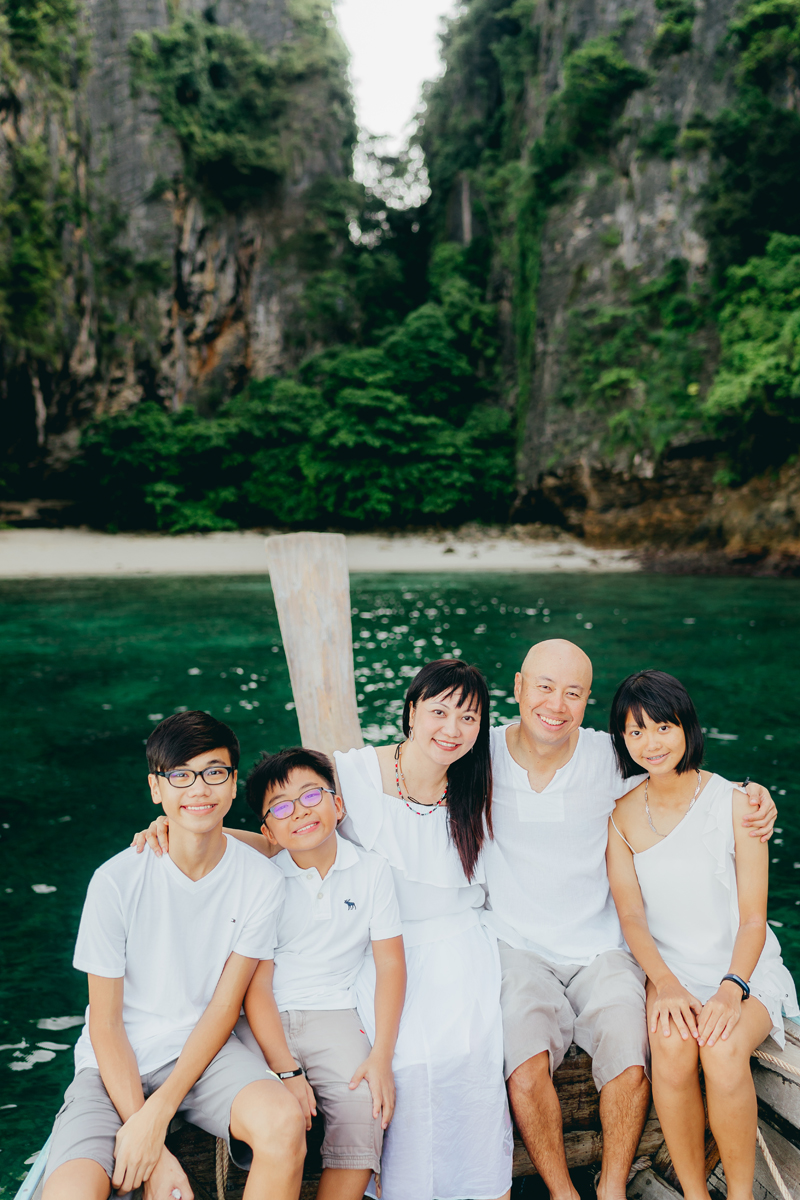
{"points": [[607, 164], [156, 278]]}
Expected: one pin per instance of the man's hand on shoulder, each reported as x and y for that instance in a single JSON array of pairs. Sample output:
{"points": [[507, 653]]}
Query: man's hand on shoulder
{"points": [[760, 822], [168, 1177], [139, 1145]]}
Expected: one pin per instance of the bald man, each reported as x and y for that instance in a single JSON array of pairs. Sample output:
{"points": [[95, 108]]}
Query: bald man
{"points": [[567, 975]]}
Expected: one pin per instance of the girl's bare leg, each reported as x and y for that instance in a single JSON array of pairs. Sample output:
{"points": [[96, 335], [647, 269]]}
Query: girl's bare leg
{"points": [[679, 1104], [731, 1096]]}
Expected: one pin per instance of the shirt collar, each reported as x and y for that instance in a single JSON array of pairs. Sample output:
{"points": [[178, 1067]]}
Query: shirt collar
{"points": [[346, 856]]}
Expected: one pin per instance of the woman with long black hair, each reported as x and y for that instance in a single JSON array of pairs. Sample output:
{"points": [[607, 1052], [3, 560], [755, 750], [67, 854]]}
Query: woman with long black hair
{"points": [[425, 805]]}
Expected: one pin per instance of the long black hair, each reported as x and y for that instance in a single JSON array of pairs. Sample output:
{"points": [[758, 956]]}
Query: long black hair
{"points": [[663, 698], [469, 780]]}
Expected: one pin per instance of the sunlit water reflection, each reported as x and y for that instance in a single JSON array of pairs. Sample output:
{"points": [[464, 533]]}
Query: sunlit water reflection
{"points": [[90, 665]]}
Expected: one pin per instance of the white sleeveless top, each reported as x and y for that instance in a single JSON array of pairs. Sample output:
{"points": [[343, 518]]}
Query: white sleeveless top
{"points": [[436, 899], [688, 885]]}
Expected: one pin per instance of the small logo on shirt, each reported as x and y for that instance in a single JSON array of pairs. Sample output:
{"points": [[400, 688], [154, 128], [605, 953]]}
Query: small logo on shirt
{"points": [[350, 905], [233, 920]]}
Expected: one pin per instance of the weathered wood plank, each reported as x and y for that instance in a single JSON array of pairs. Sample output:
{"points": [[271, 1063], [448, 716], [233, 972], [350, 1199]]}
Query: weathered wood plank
{"points": [[779, 1092], [787, 1160], [311, 585], [647, 1185]]}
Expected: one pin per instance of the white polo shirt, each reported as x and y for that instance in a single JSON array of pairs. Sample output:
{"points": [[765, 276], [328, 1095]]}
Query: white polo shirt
{"points": [[326, 927], [546, 867]]}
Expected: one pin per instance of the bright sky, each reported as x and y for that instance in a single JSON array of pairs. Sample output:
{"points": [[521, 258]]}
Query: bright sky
{"points": [[394, 49]]}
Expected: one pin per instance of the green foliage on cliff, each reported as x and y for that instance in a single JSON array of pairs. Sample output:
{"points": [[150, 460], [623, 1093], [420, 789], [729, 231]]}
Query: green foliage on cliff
{"points": [[598, 80], [43, 50], [232, 104], [755, 399], [343, 445], [640, 362], [767, 36], [674, 31]]}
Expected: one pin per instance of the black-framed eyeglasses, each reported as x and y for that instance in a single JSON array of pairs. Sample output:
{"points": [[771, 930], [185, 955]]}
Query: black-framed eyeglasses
{"points": [[285, 808], [184, 777]]}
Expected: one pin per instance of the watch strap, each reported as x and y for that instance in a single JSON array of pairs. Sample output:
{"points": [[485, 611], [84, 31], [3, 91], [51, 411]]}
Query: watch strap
{"points": [[290, 1074], [741, 982]]}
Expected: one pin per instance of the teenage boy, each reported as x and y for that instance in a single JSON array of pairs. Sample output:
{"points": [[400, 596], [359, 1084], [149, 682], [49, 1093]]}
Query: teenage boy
{"points": [[170, 945], [340, 905]]}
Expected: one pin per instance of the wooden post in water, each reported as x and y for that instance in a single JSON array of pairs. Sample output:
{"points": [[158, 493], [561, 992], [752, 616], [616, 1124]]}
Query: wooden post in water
{"points": [[311, 585]]}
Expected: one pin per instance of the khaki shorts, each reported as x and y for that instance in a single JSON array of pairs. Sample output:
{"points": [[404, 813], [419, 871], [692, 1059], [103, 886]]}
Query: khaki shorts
{"points": [[86, 1125], [547, 1006], [330, 1046]]}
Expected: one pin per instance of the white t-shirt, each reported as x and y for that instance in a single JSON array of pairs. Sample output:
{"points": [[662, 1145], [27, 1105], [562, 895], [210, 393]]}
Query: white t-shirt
{"points": [[170, 937], [546, 867], [326, 926]]}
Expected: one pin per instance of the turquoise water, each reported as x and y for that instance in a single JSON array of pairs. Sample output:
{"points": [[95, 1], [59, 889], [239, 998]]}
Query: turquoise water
{"points": [[89, 666]]}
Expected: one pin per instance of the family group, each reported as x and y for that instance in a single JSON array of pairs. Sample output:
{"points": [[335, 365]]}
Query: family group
{"points": [[413, 941]]}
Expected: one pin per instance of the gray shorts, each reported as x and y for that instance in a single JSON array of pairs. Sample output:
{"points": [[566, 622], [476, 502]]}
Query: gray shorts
{"points": [[87, 1123], [601, 1006], [330, 1046]]}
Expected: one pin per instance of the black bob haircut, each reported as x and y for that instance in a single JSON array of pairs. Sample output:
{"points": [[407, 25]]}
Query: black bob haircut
{"points": [[469, 779], [663, 698], [185, 735], [272, 770]]}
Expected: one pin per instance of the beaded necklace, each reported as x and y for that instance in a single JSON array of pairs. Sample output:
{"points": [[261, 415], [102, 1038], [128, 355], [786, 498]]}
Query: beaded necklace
{"points": [[398, 772]]}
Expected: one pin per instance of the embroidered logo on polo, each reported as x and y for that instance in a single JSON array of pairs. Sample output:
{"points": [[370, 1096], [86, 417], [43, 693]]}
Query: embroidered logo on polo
{"points": [[350, 905]]}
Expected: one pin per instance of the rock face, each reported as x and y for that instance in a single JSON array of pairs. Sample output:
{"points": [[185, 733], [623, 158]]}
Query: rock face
{"points": [[603, 260], [164, 294]]}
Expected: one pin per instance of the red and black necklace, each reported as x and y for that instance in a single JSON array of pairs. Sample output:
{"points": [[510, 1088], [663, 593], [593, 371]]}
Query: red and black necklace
{"points": [[398, 771]]}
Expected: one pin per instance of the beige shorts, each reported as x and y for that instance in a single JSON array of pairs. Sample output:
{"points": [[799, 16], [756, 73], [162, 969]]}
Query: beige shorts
{"points": [[330, 1046], [547, 1006], [87, 1123]]}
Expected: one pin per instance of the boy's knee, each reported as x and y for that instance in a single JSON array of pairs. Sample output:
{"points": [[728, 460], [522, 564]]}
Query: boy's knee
{"points": [[270, 1121]]}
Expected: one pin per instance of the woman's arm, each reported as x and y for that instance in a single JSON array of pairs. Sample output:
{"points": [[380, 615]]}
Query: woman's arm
{"points": [[267, 1028], [722, 1011], [390, 993], [672, 998]]}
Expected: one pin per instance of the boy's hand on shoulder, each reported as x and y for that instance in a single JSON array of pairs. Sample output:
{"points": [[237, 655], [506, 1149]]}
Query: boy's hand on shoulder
{"points": [[377, 1070], [303, 1093], [156, 836], [167, 1178], [139, 1145]]}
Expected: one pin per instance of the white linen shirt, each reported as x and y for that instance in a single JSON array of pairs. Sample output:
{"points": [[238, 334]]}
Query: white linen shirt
{"points": [[545, 869], [326, 927]]}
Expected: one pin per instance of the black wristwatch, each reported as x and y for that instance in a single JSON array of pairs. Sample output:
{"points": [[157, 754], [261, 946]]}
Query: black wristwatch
{"points": [[289, 1074], [738, 979]]}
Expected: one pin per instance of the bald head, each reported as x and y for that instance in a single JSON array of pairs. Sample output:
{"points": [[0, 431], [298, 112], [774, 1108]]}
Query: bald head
{"points": [[552, 690], [558, 658]]}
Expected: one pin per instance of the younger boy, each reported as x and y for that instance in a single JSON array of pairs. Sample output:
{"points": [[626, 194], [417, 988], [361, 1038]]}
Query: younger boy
{"points": [[301, 1008], [170, 945]]}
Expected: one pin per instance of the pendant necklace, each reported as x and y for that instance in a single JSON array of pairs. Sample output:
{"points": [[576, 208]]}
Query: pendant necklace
{"points": [[689, 809], [398, 772]]}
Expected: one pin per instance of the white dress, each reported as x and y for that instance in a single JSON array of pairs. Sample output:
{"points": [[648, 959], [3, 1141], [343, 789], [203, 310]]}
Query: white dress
{"points": [[688, 884], [451, 1136]]}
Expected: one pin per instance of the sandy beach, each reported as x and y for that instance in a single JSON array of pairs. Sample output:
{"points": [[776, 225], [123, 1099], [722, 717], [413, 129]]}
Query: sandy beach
{"points": [[43, 553]]}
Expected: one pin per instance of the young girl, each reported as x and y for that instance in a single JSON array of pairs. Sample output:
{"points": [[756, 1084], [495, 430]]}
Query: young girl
{"points": [[691, 891], [424, 805]]}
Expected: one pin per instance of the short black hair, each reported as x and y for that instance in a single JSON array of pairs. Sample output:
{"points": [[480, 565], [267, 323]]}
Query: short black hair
{"points": [[274, 769], [663, 698], [185, 735]]}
